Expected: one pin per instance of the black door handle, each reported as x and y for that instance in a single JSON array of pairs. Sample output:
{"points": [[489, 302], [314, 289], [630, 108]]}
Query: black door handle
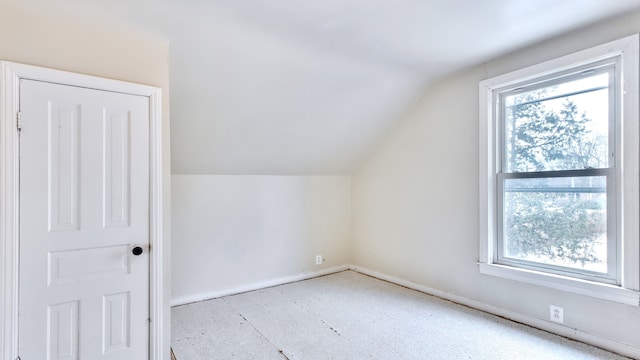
{"points": [[137, 250]]}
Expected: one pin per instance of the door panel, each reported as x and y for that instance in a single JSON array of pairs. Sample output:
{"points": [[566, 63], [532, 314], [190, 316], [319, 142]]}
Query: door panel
{"points": [[63, 164], [64, 329], [116, 167], [84, 203]]}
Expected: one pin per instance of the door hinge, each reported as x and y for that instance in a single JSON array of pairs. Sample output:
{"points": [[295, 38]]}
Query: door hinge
{"points": [[19, 125]]}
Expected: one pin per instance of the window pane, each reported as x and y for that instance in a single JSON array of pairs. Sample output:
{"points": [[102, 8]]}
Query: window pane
{"points": [[557, 221], [559, 127]]}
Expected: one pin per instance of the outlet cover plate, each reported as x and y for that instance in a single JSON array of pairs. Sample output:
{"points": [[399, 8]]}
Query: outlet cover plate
{"points": [[556, 314]]}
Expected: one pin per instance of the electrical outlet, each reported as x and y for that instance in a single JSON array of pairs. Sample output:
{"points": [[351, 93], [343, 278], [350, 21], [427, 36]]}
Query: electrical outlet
{"points": [[319, 259], [556, 314]]}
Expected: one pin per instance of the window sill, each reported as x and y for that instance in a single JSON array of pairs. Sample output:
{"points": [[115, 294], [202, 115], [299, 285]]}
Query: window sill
{"points": [[576, 286]]}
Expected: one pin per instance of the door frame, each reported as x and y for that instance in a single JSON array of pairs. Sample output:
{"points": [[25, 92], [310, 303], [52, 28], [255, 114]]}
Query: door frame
{"points": [[159, 296]]}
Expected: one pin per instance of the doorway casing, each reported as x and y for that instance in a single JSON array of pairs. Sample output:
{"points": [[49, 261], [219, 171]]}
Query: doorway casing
{"points": [[159, 309]]}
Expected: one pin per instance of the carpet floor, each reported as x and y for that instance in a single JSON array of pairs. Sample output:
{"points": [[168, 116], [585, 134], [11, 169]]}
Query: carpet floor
{"points": [[352, 316]]}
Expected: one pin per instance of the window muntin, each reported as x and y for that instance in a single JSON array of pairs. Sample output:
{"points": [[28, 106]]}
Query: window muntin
{"points": [[556, 180]]}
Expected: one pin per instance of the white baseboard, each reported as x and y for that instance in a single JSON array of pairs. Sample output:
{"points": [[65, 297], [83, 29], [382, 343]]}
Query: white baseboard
{"points": [[183, 300], [595, 340]]}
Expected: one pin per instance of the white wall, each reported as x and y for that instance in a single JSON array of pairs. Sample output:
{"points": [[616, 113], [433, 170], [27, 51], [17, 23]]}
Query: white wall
{"points": [[416, 200], [87, 45], [234, 233]]}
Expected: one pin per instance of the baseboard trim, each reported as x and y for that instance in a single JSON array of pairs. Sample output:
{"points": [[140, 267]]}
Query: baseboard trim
{"points": [[183, 300], [591, 339]]}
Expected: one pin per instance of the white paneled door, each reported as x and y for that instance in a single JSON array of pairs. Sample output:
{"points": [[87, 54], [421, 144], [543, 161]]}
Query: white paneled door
{"points": [[84, 224]]}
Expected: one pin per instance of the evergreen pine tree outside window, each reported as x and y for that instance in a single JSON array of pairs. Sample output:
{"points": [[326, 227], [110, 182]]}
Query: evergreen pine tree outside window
{"points": [[553, 134], [559, 173]]}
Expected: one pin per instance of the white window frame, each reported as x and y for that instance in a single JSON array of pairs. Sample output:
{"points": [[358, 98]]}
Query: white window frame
{"points": [[628, 167]]}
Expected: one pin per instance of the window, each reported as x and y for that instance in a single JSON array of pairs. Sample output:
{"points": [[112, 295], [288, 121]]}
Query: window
{"points": [[559, 173]]}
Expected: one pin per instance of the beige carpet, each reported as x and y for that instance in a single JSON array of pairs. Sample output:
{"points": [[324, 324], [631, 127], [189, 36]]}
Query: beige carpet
{"points": [[352, 316]]}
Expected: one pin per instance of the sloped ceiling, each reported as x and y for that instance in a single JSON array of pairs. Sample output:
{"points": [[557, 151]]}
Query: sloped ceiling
{"points": [[300, 87]]}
